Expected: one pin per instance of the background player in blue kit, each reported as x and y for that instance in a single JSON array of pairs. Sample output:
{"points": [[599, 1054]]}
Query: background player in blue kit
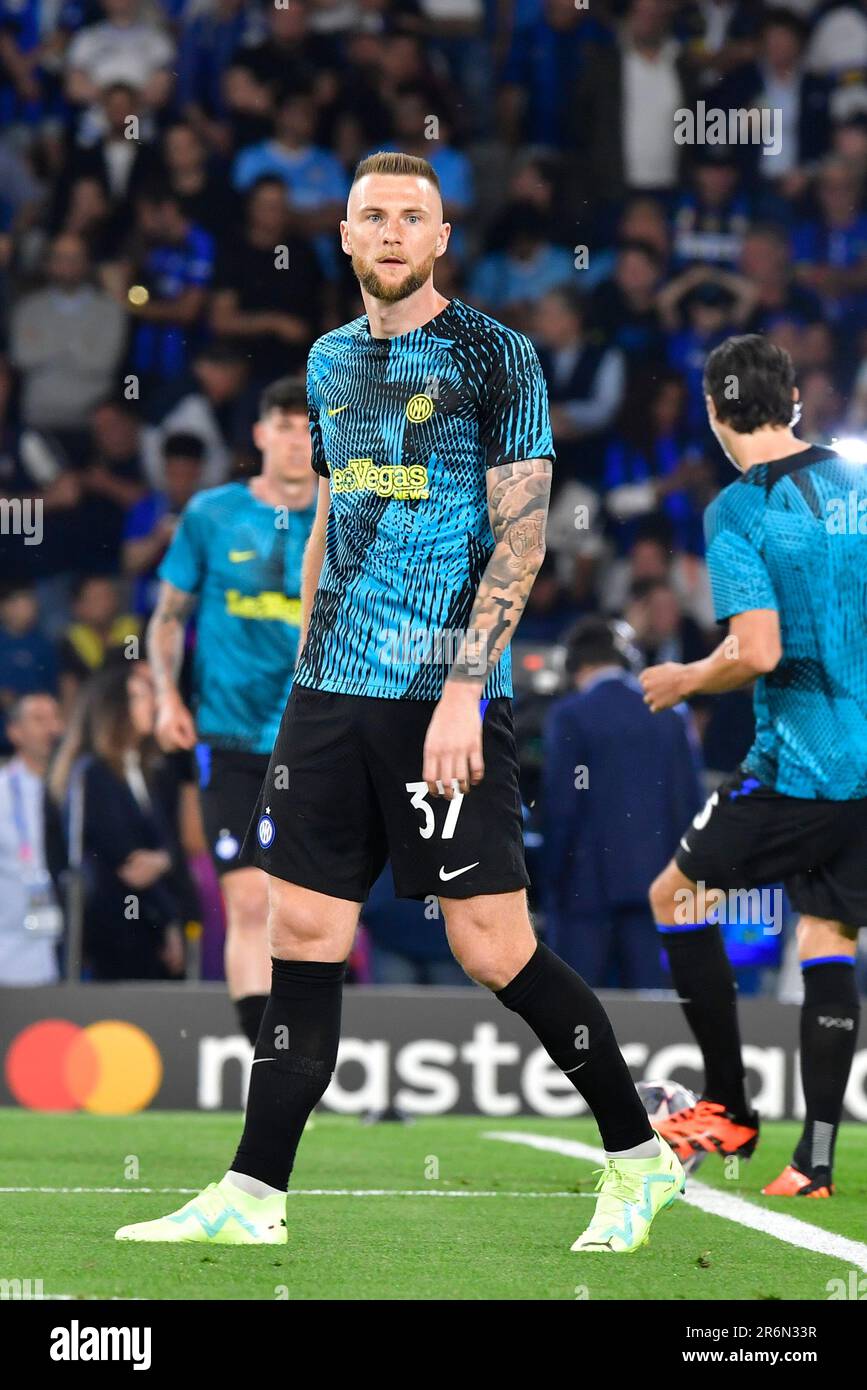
{"points": [[787, 555], [433, 447], [237, 553]]}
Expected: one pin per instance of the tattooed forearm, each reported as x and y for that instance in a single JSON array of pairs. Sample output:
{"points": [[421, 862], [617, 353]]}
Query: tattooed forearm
{"points": [[526, 536], [518, 495], [165, 635]]}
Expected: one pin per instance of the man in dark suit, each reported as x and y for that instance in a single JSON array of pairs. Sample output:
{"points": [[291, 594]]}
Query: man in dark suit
{"points": [[618, 786], [121, 157], [779, 79], [623, 109]]}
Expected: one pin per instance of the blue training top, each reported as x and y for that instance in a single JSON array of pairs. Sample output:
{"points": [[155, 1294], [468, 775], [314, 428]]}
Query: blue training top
{"points": [[242, 559], [406, 428], [792, 535]]}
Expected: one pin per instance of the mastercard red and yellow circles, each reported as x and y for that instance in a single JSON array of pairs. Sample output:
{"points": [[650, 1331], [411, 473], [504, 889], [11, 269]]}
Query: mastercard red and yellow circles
{"points": [[107, 1068]]}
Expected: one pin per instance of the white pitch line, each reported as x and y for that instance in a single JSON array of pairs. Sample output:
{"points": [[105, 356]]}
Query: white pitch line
{"points": [[74, 1298], [420, 1192], [296, 1192], [709, 1199], [127, 1191]]}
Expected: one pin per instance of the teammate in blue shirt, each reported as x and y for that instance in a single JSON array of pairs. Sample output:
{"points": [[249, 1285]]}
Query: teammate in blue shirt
{"points": [[433, 448], [236, 553], [787, 554]]}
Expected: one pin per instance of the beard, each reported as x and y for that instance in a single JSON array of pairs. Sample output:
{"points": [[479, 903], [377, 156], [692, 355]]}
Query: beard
{"points": [[366, 274]]}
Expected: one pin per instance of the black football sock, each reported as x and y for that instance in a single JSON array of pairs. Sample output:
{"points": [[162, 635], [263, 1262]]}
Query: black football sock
{"points": [[250, 1011], [705, 982], [296, 1052], [574, 1030], [829, 1031]]}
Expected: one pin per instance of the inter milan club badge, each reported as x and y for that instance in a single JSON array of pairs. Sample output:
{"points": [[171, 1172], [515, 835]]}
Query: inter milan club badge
{"points": [[266, 830], [419, 408]]}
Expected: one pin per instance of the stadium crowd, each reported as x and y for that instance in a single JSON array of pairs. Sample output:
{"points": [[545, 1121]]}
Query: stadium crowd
{"points": [[171, 179]]}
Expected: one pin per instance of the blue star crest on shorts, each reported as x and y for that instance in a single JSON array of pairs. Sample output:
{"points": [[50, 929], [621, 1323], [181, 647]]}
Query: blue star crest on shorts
{"points": [[266, 831]]}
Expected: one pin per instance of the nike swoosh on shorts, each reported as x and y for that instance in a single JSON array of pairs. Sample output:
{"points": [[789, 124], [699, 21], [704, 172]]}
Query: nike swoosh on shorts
{"points": [[454, 872]]}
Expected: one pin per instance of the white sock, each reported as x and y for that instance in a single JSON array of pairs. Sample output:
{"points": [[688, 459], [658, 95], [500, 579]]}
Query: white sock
{"points": [[649, 1149], [252, 1186]]}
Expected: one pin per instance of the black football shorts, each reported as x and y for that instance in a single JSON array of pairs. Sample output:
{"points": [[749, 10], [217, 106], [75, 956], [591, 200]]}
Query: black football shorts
{"points": [[748, 835], [229, 785], [344, 792]]}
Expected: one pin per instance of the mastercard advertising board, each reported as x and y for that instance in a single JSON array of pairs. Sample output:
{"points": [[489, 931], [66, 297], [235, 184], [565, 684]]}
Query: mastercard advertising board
{"points": [[123, 1049]]}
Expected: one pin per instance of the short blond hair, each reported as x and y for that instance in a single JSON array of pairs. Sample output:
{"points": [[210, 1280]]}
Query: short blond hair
{"points": [[393, 162]]}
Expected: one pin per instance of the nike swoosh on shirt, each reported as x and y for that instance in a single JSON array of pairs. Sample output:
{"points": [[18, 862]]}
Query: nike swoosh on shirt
{"points": [[454, 872], [336, 409], [237, 557]]}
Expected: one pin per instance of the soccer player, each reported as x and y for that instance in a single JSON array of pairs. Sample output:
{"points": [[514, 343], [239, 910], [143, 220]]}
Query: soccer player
{"points": [[237, 552], [787, 554], [433, 446]]}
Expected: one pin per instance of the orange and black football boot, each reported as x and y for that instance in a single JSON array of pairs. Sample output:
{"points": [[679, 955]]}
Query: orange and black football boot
{"points": [[793, 1183], [709, 1128]]}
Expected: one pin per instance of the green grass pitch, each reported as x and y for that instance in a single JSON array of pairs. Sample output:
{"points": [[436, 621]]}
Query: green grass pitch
{"points": [[511, 1245]]}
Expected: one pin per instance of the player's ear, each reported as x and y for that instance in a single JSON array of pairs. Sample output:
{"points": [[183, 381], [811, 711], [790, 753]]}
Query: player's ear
{"points": [[344, 238], [443, 238], [258, 436]]}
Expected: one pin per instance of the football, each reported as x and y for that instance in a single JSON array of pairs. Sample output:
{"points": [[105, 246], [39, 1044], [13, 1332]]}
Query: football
{"points": [[664, 1098]]}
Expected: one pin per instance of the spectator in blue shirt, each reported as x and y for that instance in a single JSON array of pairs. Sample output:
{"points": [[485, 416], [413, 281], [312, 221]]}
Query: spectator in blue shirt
{"points": [[652, 464], [508, 283], [541, 68], [710, 221], [208, 44], [830, 249], [316, 182], [174, 269], [33, 35], [700, 308]]}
